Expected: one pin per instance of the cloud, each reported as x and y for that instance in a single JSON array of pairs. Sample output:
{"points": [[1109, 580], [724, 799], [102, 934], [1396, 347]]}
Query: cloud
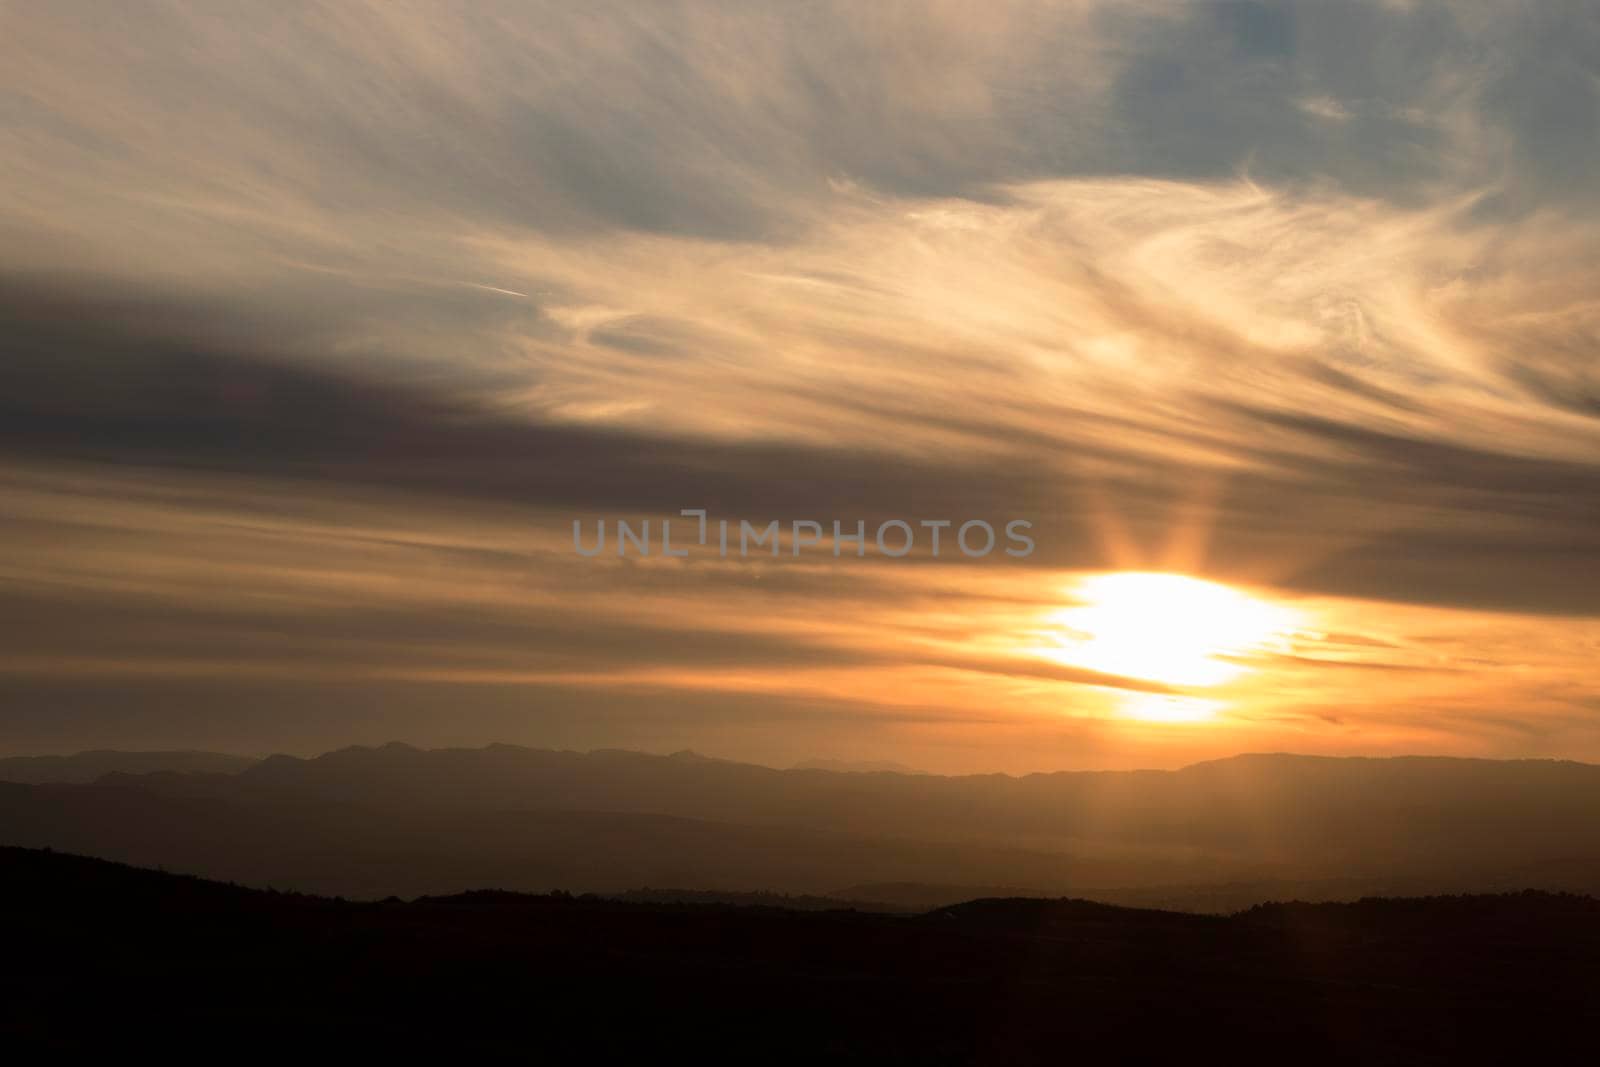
{"points": [[1081, 353], [363, 133]]}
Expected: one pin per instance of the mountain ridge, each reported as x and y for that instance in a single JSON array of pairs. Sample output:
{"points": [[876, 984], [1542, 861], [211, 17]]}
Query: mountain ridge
{"points": [[1208, 836], [90, 764], [239, 763]]}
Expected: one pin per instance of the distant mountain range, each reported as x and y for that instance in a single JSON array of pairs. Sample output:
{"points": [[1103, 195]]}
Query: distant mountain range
{"points": [[1215, 836], [107, 955]]}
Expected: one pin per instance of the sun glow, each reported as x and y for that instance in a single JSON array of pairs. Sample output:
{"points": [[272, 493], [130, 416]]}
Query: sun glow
{"points": [[1159, 707], [1166, 628]]}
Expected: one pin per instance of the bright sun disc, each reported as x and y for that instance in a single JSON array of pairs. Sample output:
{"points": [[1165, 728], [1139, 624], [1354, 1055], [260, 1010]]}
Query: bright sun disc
{"points": [[1166, 628]]}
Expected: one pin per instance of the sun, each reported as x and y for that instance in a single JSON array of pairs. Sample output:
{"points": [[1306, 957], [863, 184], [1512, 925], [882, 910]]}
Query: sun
{"points": [[1166, 628]]}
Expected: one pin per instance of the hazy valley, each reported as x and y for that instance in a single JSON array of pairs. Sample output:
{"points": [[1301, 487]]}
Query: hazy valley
{"points": [[395, 820]]}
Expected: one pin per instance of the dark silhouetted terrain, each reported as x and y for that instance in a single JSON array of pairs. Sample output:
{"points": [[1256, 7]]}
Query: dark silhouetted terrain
{"points": [[101, 957], [371, 822]]}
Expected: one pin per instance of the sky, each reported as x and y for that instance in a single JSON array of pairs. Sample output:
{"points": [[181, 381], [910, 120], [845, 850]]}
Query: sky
{"points": [[323, 323]]}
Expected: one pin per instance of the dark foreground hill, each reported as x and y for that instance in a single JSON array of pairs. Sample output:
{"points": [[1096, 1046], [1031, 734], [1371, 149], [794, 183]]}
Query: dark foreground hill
{"points": [[101, 957]]}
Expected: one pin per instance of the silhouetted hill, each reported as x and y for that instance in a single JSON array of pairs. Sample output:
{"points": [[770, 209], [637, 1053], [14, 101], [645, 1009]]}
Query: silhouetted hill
{"points": [[1216, 835], [88, 766], [756, 899], [918, 896], [111, 955]]}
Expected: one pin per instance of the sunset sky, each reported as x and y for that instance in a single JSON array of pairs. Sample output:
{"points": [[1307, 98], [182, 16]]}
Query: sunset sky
{"points": [[322, 323]]}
